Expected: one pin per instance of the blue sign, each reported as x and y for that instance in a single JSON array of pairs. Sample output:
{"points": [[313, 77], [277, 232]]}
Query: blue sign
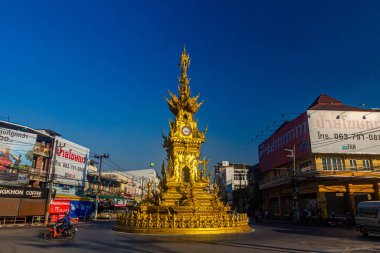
{"points": [[80, 209]]}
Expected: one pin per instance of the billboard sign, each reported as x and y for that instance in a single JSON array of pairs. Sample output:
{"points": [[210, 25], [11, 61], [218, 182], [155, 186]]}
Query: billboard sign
{"points": [[344, 132], [57, 208], [22, 192], [120, 202], [16, 156], [225, 163], [272, 153], [67, 190], [70, 163], [80, 209]]}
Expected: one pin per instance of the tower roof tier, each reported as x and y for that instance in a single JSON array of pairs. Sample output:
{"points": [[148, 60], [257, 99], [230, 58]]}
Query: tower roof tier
{"points": [[184, 102]]}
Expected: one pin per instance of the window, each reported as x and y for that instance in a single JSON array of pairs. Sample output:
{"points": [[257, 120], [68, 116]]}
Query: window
{"points": [[239, 175], [366, 165], [332, 164], [306, 167], [372, 212], [353, 165], [305, 164], [360, 212]]}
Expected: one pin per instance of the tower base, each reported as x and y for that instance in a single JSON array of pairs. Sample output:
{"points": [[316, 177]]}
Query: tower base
{"points": [[184, 231]]}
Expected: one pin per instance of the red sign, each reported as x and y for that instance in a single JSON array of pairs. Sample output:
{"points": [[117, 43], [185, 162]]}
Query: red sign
{"points": [[272, 153], [58, 207]]}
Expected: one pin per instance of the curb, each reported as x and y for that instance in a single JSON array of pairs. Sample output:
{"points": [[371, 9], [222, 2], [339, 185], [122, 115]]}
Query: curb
{"points": [[21, 226], [29, 225]]}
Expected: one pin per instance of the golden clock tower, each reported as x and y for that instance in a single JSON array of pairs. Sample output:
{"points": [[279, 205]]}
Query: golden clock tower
{"points": [[185, 140], [186, 204]]}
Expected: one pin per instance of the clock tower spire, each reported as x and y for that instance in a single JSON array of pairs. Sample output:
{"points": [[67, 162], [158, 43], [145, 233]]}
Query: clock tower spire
{"points": [[184, 141]]}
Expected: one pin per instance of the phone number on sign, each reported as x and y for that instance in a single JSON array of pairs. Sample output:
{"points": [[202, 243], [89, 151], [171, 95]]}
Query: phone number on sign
{"points": [[371, 137]]}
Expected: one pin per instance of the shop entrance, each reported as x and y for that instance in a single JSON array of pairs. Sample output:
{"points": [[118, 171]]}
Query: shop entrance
{"points": [[337, 203], [274, 206]]}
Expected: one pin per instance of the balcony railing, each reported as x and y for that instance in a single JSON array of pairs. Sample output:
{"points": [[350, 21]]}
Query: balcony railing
{"points": [[35, 174], [285, 177], [41, 149]]}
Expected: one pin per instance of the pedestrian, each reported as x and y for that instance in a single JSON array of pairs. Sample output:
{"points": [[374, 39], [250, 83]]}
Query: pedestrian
{"points": [[266, 214], [304, 216], [308, 217], [256, 216], [332, 221], [319, 216]]}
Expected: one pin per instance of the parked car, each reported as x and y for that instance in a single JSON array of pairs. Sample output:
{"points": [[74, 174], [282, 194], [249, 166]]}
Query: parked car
{"points": [[107, 214], [367, 217]]}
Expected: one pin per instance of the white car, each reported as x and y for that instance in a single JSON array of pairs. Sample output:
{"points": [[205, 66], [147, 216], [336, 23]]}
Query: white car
{"points": [[107, 214], [367, 217]]}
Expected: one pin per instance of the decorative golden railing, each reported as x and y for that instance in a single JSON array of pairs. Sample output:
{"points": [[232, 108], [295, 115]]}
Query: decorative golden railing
{"points": [[137, 220]]}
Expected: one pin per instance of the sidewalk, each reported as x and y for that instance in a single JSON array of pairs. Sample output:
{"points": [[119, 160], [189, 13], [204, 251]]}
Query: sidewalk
{"points": [[287, 222]]}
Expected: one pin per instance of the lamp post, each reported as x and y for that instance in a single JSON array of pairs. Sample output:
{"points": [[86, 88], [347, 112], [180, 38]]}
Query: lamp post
{"points": [[294, 184]]}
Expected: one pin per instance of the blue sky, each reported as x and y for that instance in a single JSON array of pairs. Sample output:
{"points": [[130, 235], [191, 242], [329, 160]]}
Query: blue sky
{"points": [[97, 71]]}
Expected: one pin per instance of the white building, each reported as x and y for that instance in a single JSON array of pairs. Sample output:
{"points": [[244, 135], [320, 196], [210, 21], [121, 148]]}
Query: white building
{"points": [[229, 177], [142, 179]]}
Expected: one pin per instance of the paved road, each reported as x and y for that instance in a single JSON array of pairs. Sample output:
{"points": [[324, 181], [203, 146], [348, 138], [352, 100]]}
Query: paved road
{"points": [[267, 238]]}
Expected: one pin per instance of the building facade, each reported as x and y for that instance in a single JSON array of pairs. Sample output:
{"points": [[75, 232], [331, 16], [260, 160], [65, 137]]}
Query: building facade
{"points": [[325, 161], [115, 189], [232, 180], [36, 164], [25, 156], [143, 181]]}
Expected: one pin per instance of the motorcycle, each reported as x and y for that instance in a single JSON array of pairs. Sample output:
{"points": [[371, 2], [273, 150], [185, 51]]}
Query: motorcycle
{"points": [[66, 233]]}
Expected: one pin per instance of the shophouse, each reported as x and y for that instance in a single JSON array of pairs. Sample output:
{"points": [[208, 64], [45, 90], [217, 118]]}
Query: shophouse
{"points": [[25, 156], [32, 161], [115, 190], [325, 160]]}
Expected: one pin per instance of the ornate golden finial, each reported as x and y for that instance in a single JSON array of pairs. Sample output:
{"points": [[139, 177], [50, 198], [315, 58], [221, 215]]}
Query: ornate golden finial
{"points": [[184, 62]]}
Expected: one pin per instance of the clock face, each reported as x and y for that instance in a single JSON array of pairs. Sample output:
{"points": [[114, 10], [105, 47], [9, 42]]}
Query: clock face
{"points": [[186, 130]]}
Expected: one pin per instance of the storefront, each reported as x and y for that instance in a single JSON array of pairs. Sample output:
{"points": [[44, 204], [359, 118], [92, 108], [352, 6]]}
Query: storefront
{"points": [[18, 201]]}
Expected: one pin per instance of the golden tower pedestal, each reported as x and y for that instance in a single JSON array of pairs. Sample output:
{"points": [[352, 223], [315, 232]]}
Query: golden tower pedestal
{"points": [[186, 204]]}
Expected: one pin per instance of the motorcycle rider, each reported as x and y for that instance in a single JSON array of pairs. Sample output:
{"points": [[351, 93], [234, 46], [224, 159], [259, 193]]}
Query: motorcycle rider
{"points": [[63, 223]]}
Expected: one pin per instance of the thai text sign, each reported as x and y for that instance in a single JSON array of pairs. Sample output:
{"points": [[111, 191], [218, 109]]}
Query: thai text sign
{"points": [[344, 132], [70, 163]]}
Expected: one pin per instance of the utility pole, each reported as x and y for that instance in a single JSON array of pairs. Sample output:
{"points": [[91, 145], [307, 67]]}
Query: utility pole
{"points": [[294, 184], [51, 180], [240, 192], [142, 187], [100, 157]]}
